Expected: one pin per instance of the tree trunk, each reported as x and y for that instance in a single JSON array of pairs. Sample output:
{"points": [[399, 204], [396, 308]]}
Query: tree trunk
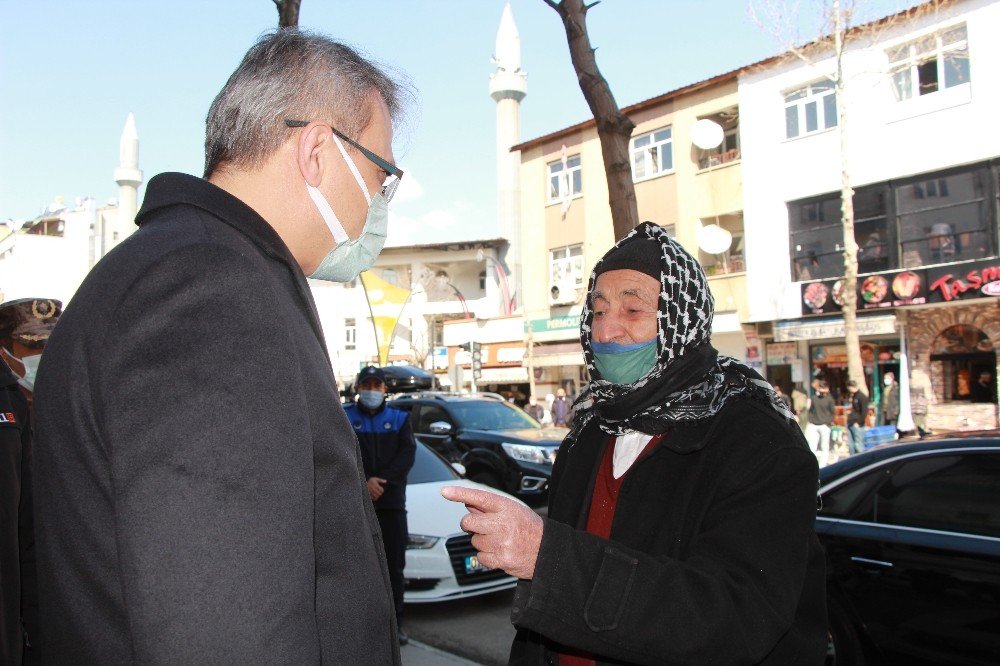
{"points": [[288, 13], [849, 290], [613, 127]]}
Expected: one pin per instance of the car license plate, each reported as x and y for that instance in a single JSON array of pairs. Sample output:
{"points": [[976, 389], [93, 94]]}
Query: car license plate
{"points": [[472, 565]]}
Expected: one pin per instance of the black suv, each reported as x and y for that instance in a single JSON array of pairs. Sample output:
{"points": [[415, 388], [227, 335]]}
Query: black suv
{"points": [[498, 443]]}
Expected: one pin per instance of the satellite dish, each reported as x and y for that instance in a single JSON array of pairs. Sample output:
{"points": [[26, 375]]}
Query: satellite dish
{"points": [[707, 134], [713, 239]]}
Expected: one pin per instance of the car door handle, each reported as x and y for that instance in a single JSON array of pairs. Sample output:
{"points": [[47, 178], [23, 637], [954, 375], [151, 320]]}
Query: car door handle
{"points": [[877, 563]]}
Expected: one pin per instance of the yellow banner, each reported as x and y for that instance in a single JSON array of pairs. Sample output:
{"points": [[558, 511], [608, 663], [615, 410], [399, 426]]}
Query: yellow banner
{"points": [[386, 302]]}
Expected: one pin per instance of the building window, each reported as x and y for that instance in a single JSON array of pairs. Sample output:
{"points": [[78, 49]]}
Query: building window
{"points": [[565, 180], [963, 362], [652, 154], [731, 260], [350, 334], [930, 64], [566, 263], [935, 218], [945, 218], [810, 109], [482, 280], [816, 235]]}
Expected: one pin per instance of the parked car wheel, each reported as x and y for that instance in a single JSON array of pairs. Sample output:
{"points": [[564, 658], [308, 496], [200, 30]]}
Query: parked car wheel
{"points": [[486, 478], [845, 646]]}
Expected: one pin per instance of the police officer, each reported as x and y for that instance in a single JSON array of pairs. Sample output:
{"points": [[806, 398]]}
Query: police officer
{"points": [[387, 450], [25, 325]]}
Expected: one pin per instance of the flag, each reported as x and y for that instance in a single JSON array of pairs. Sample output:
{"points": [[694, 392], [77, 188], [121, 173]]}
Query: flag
{"points": [[386, 302]]}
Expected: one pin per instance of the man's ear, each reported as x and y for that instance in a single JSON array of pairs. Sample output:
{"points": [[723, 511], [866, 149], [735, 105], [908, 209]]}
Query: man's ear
{"points": [[309, 152]]}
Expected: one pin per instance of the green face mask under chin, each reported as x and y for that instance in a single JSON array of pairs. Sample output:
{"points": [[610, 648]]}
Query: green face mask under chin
{"points": [[624, 364]]}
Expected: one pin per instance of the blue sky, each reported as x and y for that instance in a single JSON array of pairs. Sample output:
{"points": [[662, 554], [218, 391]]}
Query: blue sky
{"points": [[72, 70]]}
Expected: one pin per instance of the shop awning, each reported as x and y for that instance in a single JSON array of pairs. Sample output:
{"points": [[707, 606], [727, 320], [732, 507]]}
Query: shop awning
{"points": [[820, 329], [551, 355], [512, 375]]}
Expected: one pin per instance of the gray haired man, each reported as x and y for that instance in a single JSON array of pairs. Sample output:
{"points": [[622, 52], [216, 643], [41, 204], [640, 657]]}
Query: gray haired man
{"points": [[200, 496]]}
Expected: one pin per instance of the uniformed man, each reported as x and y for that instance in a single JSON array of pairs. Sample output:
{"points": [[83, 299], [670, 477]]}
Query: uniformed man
{"points": [[25, 325], [387, 450]]}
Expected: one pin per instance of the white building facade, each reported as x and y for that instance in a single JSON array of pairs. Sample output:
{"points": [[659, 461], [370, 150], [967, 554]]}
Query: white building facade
{"points": [[920, 93]]}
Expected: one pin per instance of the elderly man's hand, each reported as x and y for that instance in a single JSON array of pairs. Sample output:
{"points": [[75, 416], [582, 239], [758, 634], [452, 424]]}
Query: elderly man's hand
{"points": [[506, 533]]}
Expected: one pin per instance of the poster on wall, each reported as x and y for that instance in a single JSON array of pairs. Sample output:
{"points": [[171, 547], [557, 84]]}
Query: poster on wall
{"points": [[782, 353], [753, 358], [894, 289]]}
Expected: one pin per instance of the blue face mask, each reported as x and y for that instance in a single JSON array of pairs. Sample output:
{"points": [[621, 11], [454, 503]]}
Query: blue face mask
{"points": [[624, 364], [370, 399]]}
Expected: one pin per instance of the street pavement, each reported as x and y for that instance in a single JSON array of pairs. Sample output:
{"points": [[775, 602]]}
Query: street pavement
{"points": [[416, 653], [477, 628]]}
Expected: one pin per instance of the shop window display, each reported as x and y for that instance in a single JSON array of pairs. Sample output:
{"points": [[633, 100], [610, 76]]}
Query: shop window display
{"points": [[964, 356]]}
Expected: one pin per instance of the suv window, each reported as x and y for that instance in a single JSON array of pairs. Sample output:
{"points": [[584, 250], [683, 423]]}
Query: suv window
{"points": [[491, 415], [951, 493], [427, 415]]}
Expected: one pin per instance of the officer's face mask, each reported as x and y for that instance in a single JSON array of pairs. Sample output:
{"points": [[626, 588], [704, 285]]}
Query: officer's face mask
{"points": [[624, 364], [370, 399], [351, 257]]}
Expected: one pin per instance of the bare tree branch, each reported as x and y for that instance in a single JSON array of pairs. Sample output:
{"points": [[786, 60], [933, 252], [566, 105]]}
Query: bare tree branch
{"points": [[288, 13], [613, 127]]}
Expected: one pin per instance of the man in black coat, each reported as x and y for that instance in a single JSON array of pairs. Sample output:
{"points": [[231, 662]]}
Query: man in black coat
{"points": [[199, 492], [682, 506]]}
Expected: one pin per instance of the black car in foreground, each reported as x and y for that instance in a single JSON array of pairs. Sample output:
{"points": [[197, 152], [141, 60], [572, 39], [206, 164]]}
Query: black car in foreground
{"points": [[912, 538], [498, 443]]}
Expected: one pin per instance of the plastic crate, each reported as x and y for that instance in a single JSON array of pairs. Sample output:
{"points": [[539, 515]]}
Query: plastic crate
{"points": [[879, 435]]}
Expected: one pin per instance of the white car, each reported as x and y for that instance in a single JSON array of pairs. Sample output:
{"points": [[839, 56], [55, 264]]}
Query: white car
{"points": [[441, 563]]}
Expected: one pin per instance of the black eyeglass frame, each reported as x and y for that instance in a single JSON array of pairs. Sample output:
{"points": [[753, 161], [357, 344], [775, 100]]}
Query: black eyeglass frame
{"points": [[381, 163]]}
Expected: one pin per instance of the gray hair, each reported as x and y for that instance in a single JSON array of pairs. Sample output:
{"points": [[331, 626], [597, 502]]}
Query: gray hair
{"points": [[294, 74]]}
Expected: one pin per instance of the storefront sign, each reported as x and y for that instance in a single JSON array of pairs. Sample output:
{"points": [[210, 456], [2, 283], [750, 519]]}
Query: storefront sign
{"points": [[882, 290], [904, 288], [819, 329], [782, 353], [554, 324], [972, 280]]}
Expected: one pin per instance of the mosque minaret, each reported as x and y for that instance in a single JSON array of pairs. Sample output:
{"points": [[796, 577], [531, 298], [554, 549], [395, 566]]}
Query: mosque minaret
{"points": [[508, 86]]}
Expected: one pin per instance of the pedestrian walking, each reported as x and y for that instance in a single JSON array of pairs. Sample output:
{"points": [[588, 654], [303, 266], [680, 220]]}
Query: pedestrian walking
{"points": [[822, 411], [856, 417]]}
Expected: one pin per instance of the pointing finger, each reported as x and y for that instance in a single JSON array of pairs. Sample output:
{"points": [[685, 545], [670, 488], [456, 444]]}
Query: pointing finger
{"points": [[483, 500]]}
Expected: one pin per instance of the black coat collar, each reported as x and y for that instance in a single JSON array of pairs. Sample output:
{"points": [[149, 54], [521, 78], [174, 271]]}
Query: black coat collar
{"points": [[179, 189], [171, 189]]}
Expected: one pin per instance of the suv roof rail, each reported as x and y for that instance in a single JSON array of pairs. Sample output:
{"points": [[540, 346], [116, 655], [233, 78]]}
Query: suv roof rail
{"points": [[445, 395]]}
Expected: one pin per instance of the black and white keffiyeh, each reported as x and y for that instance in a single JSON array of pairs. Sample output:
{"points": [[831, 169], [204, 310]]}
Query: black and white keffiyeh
{"points": [[690, 381]]}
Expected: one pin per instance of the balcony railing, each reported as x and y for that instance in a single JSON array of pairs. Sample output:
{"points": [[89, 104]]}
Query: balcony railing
{"points": [[717, 159]]}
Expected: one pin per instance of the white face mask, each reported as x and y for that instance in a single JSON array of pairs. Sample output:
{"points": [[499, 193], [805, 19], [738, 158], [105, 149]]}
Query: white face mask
{"points": [[351, 257], [30, 364], [888, 381]]}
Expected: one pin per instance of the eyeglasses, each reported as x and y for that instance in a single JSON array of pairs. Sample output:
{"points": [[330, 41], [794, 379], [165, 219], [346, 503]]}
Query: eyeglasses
{"points": [[393, 174]]}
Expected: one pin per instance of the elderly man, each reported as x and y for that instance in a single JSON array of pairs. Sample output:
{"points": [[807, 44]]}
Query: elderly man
{"points": [[681, 516], [200, 497]]}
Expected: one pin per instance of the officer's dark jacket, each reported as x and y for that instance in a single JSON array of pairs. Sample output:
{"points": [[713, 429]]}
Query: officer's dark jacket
{"points": [[18, 602], [387, 449], [713, 557], [199, 494]]}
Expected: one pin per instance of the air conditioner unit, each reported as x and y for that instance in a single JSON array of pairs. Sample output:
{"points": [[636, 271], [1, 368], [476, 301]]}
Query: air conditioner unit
{"points": [[563, 292]]}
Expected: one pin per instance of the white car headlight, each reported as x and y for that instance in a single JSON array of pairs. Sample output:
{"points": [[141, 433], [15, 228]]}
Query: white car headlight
{"points": [[529, 453], [420, 542]]}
